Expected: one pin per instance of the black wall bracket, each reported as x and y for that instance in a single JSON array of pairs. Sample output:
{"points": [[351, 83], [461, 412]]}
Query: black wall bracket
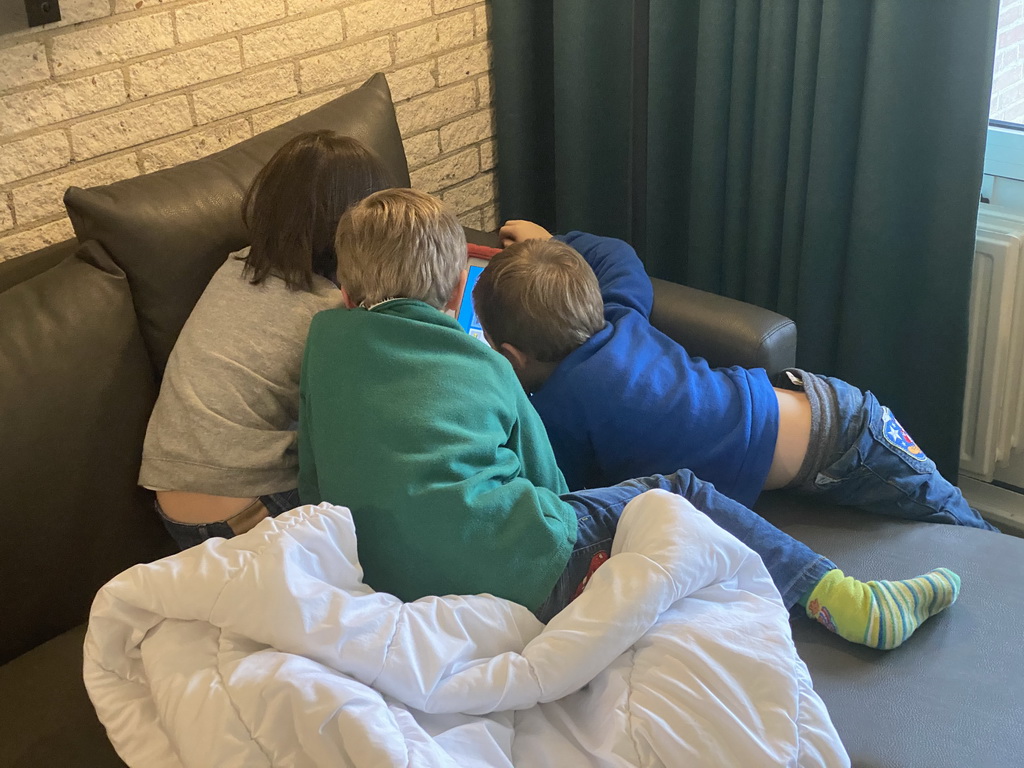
{"points": [[42, 12]]}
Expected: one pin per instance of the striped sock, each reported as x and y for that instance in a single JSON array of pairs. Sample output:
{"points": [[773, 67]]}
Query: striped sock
{"points": [[879, 614]]}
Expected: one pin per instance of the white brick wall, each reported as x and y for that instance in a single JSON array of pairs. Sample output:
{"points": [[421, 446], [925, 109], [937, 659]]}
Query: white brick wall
{"points": [[34, 155], [434, 37], [123, 87], [436, 108], [39, 199], [130, 127], [445, 173], [55, 102], [343, 64], [112, 43], [23, 64], [196, 144], [200, 21], [378, 15], [181, 69]]}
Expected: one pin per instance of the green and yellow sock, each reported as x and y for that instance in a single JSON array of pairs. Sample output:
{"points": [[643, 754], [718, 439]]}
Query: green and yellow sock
{"points": [[879, 614]]}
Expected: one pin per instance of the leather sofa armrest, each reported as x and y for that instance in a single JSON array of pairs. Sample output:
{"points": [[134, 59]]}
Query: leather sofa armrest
{"points": [[22, 268], [724, 331]]}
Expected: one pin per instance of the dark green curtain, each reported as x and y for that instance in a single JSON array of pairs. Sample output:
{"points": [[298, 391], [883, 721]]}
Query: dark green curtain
{"points": [[822, 158]]}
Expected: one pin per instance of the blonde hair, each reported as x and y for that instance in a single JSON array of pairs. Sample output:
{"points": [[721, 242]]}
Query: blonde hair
{"points": [[541, 297], [400, 243]]}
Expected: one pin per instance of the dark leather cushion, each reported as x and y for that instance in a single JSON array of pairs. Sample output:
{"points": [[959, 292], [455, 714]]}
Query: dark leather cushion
{"points": [[952, 694], [19, 270], [46, 718], [722, 330], [170, 230], [77, 389]]}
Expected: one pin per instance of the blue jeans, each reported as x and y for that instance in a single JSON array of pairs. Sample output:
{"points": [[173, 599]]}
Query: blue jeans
{"points": [[793, 566], [188, 535], [877, 466]]}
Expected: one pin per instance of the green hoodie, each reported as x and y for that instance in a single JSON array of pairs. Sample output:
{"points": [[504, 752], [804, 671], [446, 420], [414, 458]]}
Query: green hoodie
{"points": [[426, 435]]}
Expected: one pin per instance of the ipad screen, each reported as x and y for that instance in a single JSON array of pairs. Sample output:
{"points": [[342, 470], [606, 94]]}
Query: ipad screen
{"points": [[467, 316]]}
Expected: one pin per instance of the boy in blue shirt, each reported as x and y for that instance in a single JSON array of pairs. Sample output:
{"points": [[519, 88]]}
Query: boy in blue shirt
{"points": [[620, 399]]}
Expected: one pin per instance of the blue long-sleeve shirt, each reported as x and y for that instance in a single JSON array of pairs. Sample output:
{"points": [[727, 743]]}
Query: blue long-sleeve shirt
{"points": [[631, 402]]}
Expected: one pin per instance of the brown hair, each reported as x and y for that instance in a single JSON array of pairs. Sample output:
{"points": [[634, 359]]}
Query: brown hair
{"points": [[400, 243], [293, 205], [541, 297]]}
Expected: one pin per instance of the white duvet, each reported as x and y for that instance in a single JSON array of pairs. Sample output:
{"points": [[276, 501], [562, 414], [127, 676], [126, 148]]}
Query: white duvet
{"points": [[267, 649]]}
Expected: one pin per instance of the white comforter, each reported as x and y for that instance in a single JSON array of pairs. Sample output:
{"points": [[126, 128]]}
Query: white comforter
{"points": [[267, 649]]}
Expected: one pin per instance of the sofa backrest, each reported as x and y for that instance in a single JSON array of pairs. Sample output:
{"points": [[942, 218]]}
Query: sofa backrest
{"points": [[170, 230], [76, 392]]}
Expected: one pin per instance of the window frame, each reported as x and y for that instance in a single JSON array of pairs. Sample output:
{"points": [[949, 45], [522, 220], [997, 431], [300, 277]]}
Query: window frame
{"points": [[1004, 152]]}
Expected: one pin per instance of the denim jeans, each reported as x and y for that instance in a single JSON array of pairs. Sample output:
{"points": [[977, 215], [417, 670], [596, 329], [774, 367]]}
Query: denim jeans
{"points": [[188, 535], [793, 566], [877, 466]]}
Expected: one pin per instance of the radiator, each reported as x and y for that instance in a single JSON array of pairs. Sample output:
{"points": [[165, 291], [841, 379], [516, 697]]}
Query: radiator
{"points": [[993, 424]]}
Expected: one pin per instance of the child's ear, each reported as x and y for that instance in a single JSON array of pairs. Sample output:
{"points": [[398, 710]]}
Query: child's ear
{"points": [[460, 287], [514, 355], [345, 298]]}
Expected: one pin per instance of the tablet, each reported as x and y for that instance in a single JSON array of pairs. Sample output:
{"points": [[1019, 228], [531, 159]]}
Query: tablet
{"points": [[466, 315]]}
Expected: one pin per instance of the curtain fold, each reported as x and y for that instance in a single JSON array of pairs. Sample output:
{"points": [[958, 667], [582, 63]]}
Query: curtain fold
{"points": [[819, 158]]}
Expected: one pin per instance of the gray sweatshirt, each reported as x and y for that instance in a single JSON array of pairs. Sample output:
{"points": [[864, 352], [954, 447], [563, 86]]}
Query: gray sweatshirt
{"points": [[224, 422]]}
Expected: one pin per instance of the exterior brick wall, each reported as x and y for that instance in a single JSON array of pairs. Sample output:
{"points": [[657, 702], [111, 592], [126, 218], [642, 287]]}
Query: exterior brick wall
{"points": [[1008, 73], [120, 88]]}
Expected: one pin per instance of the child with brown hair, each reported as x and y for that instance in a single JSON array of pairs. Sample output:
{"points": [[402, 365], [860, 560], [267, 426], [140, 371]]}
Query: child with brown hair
{"points": [[220, 448], [620, 399]]}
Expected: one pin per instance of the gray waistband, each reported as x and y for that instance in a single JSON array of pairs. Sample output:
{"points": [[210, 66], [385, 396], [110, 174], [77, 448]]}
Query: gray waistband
{"points": [[824, 423]]}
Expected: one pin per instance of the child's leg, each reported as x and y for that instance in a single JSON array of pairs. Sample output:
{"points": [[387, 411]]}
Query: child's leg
{"points": [[794, 567], [597, 517], [875, 614], [860, 456]]}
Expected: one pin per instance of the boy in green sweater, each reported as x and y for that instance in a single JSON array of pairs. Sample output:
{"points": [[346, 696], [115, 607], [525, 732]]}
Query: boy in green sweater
{"points": [[421, 430], [428, 437]]}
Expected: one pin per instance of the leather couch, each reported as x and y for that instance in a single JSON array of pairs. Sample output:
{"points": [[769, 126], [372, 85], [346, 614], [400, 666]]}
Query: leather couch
{"points": [[87, 328]]}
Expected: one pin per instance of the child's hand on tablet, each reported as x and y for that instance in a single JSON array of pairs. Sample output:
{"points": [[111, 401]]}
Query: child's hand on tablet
{"points": [[518, 230]]}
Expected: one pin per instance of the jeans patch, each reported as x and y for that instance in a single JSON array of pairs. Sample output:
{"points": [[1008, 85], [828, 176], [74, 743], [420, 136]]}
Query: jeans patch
{"points": [[898, 438], [595, 562]]}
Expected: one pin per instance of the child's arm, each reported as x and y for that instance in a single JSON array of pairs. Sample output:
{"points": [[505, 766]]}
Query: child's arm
{"points": [[620, 273], [518, 230], [619, 269]]}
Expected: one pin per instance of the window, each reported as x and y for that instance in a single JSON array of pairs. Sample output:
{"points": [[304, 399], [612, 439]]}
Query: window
{"points": [[1008, 74], [996, 491], [1004, 154]]}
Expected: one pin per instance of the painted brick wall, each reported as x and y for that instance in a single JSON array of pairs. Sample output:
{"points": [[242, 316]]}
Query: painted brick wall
{"points": [[120, 88], [1008, 75]]}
